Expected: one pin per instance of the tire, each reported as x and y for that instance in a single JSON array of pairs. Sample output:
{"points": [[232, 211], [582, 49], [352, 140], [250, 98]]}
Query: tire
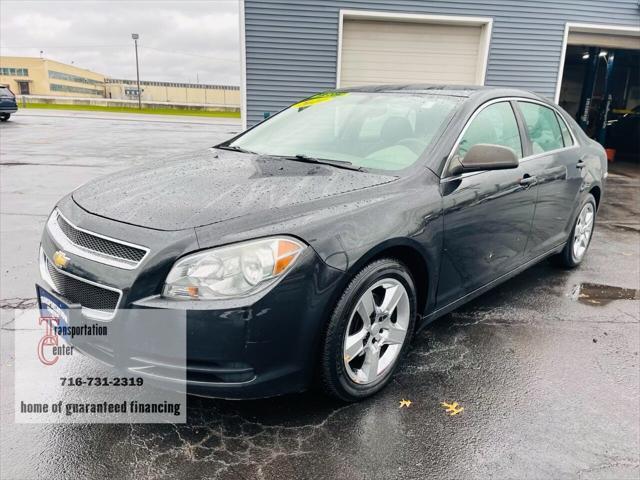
{"points": [[4, 117], [569, 257], [352, 378]]}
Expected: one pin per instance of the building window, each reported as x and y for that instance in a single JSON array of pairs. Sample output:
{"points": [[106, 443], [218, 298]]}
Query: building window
{"points": [[14, 72], [72, 78], [56, 87]]}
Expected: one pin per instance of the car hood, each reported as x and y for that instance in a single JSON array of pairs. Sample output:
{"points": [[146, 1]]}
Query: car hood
{"points": [[213, 186]]}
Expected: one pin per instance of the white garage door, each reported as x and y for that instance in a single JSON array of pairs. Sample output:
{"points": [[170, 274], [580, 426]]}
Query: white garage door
{"points": [[383, 51]]}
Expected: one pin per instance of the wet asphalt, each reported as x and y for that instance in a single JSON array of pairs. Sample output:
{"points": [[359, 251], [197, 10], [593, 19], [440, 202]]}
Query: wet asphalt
{"points": [[545, 366]]}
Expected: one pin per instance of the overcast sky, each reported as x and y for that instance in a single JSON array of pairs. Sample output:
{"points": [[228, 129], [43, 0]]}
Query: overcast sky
{"points": [[180, 41]]}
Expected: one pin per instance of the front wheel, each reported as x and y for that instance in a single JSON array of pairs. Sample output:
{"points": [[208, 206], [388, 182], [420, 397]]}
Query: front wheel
{"points": [[580, 239], [369, 332]]}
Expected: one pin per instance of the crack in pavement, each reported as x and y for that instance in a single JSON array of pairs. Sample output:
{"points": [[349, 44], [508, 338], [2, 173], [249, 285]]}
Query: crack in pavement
{"points": [[447, 355], [15, 303], [608, 466], [223, 442], [502, 319], [18, 303]]}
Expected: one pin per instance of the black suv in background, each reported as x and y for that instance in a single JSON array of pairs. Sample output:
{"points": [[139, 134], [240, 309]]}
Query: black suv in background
{"points": [[8, 103]]}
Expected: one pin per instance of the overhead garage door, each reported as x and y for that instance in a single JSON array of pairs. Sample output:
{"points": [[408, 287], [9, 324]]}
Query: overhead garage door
{"points": [[382, 51]]}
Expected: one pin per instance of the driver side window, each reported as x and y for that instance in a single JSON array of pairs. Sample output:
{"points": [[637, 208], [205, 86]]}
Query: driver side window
{"points": [[494, 125]]}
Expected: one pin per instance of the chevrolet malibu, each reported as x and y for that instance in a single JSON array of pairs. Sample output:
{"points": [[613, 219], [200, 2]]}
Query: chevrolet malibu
{"points": [[309, 249]]}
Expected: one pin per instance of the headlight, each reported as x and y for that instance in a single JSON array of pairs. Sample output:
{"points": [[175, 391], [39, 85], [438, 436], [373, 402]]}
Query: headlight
{"points": [[233, 271]]}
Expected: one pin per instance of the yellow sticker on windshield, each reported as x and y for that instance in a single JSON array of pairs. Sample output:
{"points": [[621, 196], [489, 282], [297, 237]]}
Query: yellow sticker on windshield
{"points": [[321, 97]]}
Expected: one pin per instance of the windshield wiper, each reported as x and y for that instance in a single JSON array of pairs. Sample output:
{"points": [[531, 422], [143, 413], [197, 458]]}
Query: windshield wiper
{"points": [[233, 148], [299, 157], [324, 161]]}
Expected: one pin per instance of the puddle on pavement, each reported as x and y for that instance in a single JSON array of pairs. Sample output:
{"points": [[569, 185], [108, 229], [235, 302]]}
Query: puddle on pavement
{"points": [[597, 294]]}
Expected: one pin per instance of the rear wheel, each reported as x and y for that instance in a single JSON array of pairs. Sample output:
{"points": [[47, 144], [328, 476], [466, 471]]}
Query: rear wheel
{"points": [[580, 239], [4, 117], [369, 331]]}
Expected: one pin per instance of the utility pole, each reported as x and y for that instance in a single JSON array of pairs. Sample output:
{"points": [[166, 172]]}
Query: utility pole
{"points": [[135, 37]]}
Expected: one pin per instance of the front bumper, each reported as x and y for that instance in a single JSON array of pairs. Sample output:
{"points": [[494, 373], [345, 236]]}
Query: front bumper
{"points": [[256, 347]]}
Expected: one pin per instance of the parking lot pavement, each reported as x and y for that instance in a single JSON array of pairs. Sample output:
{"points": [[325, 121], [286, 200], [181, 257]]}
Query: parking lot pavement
{"points": [[545, 366], [46, 154]]}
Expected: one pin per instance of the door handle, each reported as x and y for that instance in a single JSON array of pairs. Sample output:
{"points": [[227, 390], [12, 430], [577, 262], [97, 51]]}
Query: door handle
{"points": [[528, 180], [581, 163]]}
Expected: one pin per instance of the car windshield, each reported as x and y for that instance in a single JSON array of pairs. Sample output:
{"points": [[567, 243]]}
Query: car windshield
{"points": [[387, 131]]}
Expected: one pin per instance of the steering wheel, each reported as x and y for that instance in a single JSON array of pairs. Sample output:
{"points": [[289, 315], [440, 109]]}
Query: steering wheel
{"points": [[413, 144]]}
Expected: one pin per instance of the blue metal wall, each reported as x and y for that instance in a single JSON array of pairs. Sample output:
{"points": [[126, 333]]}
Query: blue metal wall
{"points": [[291, 45]]}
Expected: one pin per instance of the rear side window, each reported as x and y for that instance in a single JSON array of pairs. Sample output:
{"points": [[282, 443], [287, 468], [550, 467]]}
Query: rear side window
{"points": [[5, 92], [543, 127], [495, 125], [566, 136]]}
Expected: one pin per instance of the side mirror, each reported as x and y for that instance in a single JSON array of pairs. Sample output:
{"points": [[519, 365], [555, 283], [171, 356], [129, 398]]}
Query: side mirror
{"points": [[483, 156]]}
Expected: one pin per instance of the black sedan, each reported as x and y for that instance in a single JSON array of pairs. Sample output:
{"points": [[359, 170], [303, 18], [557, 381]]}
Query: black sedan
{"points": [[309, 249]]}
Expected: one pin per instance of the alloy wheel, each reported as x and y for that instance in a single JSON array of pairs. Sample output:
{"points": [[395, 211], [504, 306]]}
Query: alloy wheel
{"points": [[376, 331], [583, 230]]}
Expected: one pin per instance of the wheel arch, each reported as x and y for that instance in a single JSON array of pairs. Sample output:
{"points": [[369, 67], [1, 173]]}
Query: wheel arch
{"points": [[411, 254], [596, 191]]}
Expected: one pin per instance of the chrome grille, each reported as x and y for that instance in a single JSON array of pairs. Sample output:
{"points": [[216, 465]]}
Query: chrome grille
{"points": [[94, 246], [86, 294], [99, 244]]}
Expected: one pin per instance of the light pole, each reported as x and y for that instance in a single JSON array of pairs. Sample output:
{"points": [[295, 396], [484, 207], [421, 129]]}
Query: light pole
{"points": [[135, 37]]}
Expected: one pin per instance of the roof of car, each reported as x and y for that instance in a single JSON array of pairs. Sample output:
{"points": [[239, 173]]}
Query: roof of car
{"points": [[454, 90]]}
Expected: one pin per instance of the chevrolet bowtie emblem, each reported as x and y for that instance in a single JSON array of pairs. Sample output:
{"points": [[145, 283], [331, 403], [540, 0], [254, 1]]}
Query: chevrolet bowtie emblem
{"points": [[60, 260]]}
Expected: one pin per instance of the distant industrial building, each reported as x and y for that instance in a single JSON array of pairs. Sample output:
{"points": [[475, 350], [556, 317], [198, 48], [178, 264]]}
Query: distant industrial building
{"points": [[171, 92], [41, 77]]}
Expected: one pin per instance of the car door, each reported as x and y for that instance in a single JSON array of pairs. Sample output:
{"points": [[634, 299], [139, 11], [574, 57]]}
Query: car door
{"points": [[555, 163], [487, 214]]}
